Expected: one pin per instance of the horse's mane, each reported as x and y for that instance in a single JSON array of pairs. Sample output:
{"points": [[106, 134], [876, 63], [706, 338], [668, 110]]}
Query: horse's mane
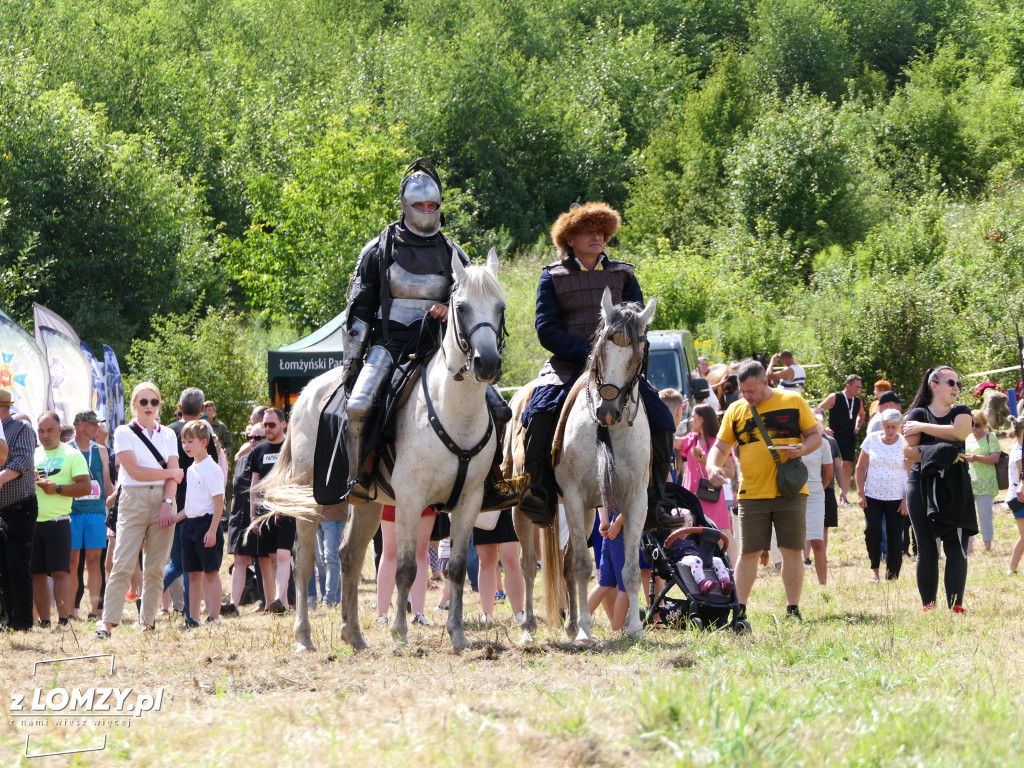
{"points": [[625, 318], [480, 286]]}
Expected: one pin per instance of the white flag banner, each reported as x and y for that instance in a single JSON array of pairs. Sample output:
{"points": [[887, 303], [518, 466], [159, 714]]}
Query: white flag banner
{"points": [[70, 374], [23, 369]]}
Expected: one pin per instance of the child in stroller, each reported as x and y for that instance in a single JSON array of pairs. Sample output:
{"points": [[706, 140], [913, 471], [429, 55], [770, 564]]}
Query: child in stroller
{"points": [[691, 557]]}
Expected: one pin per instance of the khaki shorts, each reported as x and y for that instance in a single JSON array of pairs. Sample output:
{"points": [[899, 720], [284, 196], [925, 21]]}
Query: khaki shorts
{"points": [[757, 516]]}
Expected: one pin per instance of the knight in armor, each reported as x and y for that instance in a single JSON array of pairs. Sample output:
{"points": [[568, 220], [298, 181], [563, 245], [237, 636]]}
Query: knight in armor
{"points": [[401, 277], [568, 314]]}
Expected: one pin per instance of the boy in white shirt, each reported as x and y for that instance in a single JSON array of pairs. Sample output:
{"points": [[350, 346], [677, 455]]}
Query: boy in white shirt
{"points": [[202, 541]]}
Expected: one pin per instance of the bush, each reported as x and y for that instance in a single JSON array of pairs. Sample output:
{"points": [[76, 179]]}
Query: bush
{"points": [[893, 326], [222, 353], [800, 44], [796, 171]]}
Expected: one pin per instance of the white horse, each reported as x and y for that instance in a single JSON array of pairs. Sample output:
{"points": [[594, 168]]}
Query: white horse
{"points": [[605, 461], [443, 433]]}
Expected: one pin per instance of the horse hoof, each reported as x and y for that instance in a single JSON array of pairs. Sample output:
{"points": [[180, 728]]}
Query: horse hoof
{"points": [[356, 640], [527, 638], [459, 641], [570, 631], [304, 648], [584, 637], [636, 632]]}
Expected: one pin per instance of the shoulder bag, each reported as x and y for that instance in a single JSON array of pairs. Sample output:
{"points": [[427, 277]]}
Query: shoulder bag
{"points": [[152, 448], [1002, 466], [705, 490], [791, 475]]}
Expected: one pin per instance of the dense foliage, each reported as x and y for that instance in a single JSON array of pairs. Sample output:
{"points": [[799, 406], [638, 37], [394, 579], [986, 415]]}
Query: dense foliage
{"points": [[843, 177]]}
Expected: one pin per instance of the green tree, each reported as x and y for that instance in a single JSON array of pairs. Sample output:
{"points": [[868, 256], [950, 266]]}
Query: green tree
{"points": [[221, 352]]}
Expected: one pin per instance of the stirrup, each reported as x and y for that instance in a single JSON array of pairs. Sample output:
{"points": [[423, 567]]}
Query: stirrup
{"points": [[498, 495], [533, 502], [358, 492]]}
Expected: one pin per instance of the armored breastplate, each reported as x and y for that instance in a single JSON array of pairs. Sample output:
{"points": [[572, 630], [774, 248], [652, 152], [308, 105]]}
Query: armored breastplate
{"points": [[412, 295], [579, 294]]}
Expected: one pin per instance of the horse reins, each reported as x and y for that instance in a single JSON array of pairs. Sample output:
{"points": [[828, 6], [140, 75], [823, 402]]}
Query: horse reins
{"points": [[464, 456]]}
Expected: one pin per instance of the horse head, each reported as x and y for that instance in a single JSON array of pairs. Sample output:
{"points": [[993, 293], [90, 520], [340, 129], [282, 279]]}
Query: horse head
{"points": [[616, 361], [476, 319]]}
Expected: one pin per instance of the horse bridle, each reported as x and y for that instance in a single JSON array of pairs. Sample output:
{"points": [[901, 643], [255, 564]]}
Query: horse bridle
{"points": [[462, 338], [610, 392]]}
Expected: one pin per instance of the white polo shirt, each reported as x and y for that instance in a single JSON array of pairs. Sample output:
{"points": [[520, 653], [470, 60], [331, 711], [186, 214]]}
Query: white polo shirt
{"points": [[162, 438], [205, 482]]}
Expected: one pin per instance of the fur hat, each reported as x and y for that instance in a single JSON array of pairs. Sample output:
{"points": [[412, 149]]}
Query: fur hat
{"points": [[585, 218]]}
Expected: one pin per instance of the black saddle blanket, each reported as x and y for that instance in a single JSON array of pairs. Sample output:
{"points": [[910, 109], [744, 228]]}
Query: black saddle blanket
{"points": [[330, 461]]}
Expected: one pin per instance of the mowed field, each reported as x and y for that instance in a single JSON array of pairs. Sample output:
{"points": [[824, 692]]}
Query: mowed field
{"points": [[865, 680]]}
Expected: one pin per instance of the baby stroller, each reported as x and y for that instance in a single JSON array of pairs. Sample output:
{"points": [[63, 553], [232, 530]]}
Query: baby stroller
{"points": [[698, 610]]}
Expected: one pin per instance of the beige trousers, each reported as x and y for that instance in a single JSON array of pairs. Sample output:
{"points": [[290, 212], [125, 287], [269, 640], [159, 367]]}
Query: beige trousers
{"points": [[138, 530]]}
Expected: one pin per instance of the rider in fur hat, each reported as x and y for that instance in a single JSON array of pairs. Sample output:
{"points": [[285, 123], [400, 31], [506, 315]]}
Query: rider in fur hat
{"points": [[568, 313]]}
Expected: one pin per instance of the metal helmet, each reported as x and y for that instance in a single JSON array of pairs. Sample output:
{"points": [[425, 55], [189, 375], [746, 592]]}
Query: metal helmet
{"points": [[421, 184]]}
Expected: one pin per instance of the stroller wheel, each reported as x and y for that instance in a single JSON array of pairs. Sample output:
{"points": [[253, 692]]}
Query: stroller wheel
{"points": [[696, 623], [741, 627]]}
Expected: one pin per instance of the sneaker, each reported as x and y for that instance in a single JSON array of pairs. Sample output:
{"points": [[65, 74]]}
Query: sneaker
{"points": [[419, 618], [102, 634], [520, 618], [705, 586], [793, 612], [212, 620], [727, 586], [276, 607], [131, 596], [44, 624], [807, 562], [64, 621], [499, 596], [190, 624], [229, 609], [927, 607], [959, 609], [383, 620]]}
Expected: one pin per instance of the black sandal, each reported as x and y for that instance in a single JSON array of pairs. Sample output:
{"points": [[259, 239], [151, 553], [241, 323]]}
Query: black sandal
{"points": [[102, 634]]}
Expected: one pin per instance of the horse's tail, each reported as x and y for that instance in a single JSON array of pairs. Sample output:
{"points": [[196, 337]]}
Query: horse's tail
{"points": [[552, 567], [279, 493], [605, 467]]}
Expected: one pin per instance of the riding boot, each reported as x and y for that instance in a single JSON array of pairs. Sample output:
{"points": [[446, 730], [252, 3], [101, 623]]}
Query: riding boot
{"points": [[361, 410], [539, 500], [497, 493], [661, 464]]}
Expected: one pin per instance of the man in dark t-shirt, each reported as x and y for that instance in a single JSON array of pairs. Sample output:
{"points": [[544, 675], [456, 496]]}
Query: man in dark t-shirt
{"points": [[845, 415], [276, 538]]}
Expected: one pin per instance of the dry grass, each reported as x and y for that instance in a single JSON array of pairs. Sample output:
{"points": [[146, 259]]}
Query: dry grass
{"points": [[789, 694]]}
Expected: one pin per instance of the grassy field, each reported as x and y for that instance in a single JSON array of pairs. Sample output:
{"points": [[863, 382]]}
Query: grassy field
{"points": [[865, 680]]}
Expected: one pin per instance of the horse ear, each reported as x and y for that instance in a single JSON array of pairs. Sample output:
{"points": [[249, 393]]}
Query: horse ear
{"points": [[648, 314], [492, 261], [606, 304], [458, 269]]}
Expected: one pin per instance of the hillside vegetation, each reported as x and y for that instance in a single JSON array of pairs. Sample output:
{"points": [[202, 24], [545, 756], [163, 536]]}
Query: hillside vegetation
{"points": [[844, 178]]}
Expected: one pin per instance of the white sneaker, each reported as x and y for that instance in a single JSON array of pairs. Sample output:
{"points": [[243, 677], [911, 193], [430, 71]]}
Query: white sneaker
{"points": [[488, 619], [419, 618], [520, 618], [383, 620]]}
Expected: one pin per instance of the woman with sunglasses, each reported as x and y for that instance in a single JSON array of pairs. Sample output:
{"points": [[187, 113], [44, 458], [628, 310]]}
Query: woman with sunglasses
{"points": [[947, 516], [149, 477]]}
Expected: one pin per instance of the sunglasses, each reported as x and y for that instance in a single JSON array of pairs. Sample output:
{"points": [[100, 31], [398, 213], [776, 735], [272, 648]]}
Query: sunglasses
{"points": [[951, 382], [256, 438], [269, 425], [975, 425], [144, 402]]}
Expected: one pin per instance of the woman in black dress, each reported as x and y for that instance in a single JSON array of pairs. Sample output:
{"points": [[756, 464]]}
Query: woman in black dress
{"points": [[939, 496]]}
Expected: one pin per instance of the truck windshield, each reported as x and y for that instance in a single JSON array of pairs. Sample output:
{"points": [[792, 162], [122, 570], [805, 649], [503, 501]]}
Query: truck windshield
{"points": [[663, 369]]}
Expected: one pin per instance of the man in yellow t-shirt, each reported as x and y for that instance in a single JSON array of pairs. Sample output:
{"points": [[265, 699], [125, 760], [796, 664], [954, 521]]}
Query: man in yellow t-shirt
{"points": [[792, 428], [61, 475]]}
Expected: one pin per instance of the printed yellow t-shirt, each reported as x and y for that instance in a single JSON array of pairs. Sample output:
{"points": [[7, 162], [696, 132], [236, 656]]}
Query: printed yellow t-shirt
{"points": [[786, 415]]}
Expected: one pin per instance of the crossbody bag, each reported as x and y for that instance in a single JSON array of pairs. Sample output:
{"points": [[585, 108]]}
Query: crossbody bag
{"points": [[791, 475]]}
